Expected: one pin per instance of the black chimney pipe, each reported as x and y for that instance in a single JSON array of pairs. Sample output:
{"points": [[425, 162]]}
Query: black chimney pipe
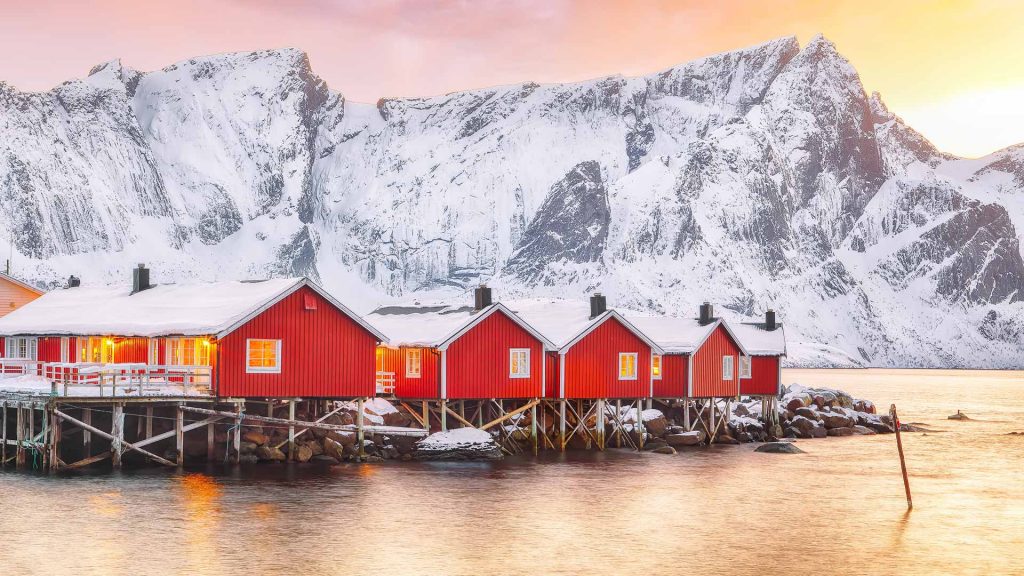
{"points": [[769, 320], [707, 314], [598, 305], [74, 282], [140, 279], [481, 297]]}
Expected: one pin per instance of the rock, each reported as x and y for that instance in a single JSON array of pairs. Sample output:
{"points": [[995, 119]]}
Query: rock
{"points": [[316, 447], [819, 401], [726, 439], [841, 431], [863, 430], [910, 427], [458, 444], [664, 449], [257, 438], [819, 432], [779, 448], [246, 448], [343, 438], [655, 426], [809, 413], [740, 410], [301, 453], [958, 416], [685, 438], [794, 404], [803, 426], [334, 449], [270, 453], [789, 433], [836, 420]]}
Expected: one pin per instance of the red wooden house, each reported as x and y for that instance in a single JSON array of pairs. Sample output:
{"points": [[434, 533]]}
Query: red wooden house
{"points": [[600, 354], [703, 357], [460, 353], [766, 345], [271, 338]]}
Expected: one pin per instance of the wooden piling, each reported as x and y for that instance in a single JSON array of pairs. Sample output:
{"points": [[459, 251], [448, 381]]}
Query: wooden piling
{"points": [[211, 435], [179, 436], [533, 429], [359, 428], [19, 436], [3, 448], [149, 421], [236, 439], [903, 461], [561, 425], [117, 435], [87, 435]]}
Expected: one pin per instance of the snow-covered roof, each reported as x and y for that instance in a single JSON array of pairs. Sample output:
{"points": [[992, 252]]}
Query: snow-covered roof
{"points": [[674, 334], [17, 282], [565, 322], [437, 326], [163, 310], [759, 341]]}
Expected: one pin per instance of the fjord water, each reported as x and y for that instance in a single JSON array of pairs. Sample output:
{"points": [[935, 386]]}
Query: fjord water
{"points": [[838, 509]]}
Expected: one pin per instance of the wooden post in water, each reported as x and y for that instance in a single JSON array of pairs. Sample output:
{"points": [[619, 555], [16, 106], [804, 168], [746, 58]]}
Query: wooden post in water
{"points": [[117, 435], [359, 427], [236, 438], [86, 435], [903, 461], [533, 429], [291, 431], [3, 447], [179, 436]]}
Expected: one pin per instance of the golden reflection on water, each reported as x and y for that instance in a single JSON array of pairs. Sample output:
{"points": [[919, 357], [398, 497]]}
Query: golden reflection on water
{"points": [[200, 499]]}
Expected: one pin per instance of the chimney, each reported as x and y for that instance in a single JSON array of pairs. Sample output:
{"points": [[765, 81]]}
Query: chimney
{"points": [[481, 297], [707, 314], [140, 279], [769, 320], [598, 305], [74, 282]]}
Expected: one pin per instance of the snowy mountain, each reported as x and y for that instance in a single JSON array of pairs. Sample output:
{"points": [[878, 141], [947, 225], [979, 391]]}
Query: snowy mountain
{"points": [[764, 177]]}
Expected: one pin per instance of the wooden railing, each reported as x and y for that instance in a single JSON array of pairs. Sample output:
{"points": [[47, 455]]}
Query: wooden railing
{"points": [[134, 379], [385, 382]]}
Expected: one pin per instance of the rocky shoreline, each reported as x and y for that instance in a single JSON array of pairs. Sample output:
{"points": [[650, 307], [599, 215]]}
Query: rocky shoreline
{"points": [[803, 413]]}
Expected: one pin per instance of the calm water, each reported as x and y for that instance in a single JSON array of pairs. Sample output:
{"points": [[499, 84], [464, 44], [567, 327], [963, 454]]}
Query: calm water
{"points": [[839, 509]]}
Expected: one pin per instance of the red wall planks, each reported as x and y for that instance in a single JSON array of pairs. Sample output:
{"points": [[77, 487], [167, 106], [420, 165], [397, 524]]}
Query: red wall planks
{"points": [[592, 365], [426, 386], [764, 380], [324, 353], [478, 362], [707, 367], [133, 350], [675, 373]]}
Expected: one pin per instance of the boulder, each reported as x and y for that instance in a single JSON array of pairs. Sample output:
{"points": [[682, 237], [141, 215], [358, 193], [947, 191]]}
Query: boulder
{"points": [[819, 432], [334, 450], [270, 453], [873, 422], [343, 438], [655, 426], [740, 410], [790, 433], [459, 444], [664, 449], [809, 413], [802, 426], [841, 431], [316, 447], [958, 416], [779, 448], [257, 438], [795, 403], [836, 420], [246, 448], [301, 453], [726, 439], [863, 430], [685, 438]]}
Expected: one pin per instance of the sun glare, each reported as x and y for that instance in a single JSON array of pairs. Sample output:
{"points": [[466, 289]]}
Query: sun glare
{"points": [[971, 124]]}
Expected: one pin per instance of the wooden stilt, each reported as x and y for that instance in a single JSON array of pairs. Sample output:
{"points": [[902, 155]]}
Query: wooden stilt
{"points": [[211, 436], [179, 435], [117, 435], [149, 421], [113, 440], [640, 424], [599, 423], [618, 414], [54, 458], [87, 435], [236, 439], [19, 434], [3, 447], [426, 416], [359, 429], [444, 415], [533, 428], [561, 426], [903, 462], [291, 430]]}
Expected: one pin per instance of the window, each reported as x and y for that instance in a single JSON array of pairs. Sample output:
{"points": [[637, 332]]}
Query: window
{"points": [[24, 348], [519, 363], [189, 351], [627, 365], [727, 367], [745, 367], [412, 362], [262, 355], [95, 350], [656, 366], [154, 351], [65, 349]]}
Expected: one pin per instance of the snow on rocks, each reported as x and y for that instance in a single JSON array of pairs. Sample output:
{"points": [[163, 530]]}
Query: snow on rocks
{"points": [[458, 444]]}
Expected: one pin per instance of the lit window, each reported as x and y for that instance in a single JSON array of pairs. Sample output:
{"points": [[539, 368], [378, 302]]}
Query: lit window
{"points": [[262, 355], [154, 351], [744, 366], [627, 365], [727, 367], [656, 366], [189, 351], [412, 362], [93, 350], [519, 363]]}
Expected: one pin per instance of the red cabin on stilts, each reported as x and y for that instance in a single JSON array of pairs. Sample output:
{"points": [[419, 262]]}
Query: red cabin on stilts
{"points": [[765, 343]]}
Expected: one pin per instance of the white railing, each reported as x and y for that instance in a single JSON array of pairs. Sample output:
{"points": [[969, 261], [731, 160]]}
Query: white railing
{"points": [[127, 379], [385, 382]]}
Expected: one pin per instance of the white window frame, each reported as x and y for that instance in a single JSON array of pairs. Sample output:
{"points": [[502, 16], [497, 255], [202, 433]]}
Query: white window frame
{"points": [[153, 351], [65, 349], [261, 369], [636, 365], [198, 344], [746, 367], [661, 366], [31, 346], [525, 361], [409, 353], [728, 367]]}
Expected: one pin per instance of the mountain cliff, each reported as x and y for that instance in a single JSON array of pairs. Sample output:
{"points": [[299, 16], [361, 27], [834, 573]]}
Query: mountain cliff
{"points": [[764, 177]]}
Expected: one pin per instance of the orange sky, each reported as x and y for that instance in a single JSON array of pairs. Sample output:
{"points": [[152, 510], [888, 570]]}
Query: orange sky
{"points": [[953, 70]]}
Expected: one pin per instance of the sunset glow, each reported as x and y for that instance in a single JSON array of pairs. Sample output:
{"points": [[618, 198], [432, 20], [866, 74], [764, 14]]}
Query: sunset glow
{"points": [[951, 69]]}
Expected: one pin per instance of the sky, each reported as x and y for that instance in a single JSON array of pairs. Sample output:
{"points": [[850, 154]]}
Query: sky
{"points": [[952, 69]]}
